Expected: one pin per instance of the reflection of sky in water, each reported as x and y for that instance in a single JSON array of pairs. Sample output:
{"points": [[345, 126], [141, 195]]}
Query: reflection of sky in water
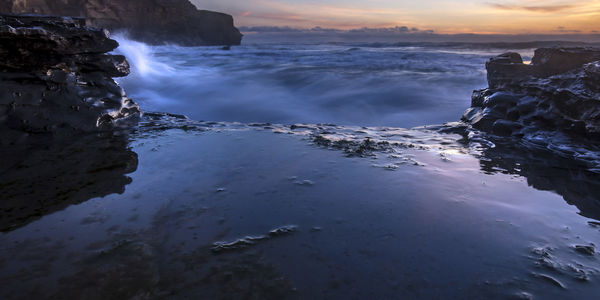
{"points": [[439, 228]]}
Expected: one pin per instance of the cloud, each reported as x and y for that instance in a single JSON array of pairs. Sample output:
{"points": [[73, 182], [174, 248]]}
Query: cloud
{"points": [[325, 34], [451, 17], [563, 29], [318, 29], [271, 29], [405, 34], [397, 29], [533, 8]]}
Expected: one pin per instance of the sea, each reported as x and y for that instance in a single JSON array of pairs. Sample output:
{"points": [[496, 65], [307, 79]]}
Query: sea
{"points": [[364, 84]]}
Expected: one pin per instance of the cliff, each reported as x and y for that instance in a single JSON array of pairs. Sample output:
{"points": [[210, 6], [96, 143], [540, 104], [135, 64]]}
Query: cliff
{"points": [[149, 21], [558, 92], [55, 77]]}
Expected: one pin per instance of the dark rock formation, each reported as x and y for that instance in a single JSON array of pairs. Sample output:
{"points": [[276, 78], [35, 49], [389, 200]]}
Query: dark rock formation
{"points": [[56, 78], [542, 121], [150, 21], [558, 92]]}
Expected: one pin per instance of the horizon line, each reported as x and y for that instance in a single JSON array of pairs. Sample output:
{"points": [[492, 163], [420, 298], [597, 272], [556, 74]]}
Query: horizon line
{"points": [[407, 30]]}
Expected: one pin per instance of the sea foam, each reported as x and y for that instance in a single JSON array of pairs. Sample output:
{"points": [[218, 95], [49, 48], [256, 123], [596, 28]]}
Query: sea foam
{"points": [[141, 58]]}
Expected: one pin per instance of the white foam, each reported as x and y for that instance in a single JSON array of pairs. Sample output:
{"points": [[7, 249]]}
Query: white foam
{"points": [[141, 58]]}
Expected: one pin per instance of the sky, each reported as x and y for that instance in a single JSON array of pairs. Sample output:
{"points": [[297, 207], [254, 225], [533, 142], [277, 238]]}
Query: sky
{"points": [[441, 17]]}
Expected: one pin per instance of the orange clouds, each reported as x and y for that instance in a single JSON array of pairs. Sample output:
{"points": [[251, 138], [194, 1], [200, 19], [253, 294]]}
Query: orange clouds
{"points": [[541, 8], [467, 16]]}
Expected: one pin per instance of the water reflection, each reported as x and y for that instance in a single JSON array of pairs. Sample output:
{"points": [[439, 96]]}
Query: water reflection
{"points": [[43, 174], [547, 171], [361, 231]]}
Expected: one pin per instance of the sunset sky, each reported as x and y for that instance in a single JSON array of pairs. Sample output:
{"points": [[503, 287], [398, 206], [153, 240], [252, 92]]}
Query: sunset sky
{"points": [[469, 16]]}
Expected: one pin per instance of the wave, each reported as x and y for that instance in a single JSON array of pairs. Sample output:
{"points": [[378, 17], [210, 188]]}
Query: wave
{"points": [[402, 87], [141, 58]]}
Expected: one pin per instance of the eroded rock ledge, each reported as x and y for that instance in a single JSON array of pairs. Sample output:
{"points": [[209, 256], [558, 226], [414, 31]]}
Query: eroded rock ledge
{"points": [[558, 92], [149, 21], [55, 76]]}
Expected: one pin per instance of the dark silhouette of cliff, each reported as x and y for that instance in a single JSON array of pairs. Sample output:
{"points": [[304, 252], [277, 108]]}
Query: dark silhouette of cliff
{"points": [[149, 21]]}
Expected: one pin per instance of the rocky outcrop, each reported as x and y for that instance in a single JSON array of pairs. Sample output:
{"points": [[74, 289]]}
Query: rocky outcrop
{"points": [[57, 78], [558, 92], [150, 21]]}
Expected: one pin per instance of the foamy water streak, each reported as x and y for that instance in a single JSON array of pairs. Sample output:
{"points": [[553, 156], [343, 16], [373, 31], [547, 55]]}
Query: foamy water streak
{"points": [[141, 59]]}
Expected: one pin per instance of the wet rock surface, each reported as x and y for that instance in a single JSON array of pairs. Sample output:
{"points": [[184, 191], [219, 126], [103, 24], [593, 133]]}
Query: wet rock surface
{"points": [[150, 21], [57, 78], [586, 249], [558, 92]]}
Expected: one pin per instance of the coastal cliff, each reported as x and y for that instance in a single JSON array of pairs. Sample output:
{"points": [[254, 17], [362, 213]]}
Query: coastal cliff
{"points": [[57, 78], [558, 92], [150, 21]]}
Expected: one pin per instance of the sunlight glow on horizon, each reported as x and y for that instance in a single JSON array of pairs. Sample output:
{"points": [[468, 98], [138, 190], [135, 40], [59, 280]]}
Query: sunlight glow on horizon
{"points": [[470, 16]]}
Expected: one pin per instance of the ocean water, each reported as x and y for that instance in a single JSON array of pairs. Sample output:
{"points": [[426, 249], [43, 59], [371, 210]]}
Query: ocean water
{"points": [[345, 84]]}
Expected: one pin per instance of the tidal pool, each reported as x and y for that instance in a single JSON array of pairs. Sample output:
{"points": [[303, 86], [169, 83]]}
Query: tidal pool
{"points": [[260, 212]]}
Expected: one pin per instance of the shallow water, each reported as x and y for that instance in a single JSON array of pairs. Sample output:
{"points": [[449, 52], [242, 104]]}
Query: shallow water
{"points": [[441, 223], [184, 209], [346, 84]]}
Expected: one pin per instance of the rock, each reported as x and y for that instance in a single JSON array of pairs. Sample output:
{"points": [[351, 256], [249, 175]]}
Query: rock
{"points": [[558, 92], [149, 21], [283, 230], [551, 280], [553, 61], [589, 250], [523, 296], [506, 67], [56, 78], [592, 74], [505, 127], [248, 241]]}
